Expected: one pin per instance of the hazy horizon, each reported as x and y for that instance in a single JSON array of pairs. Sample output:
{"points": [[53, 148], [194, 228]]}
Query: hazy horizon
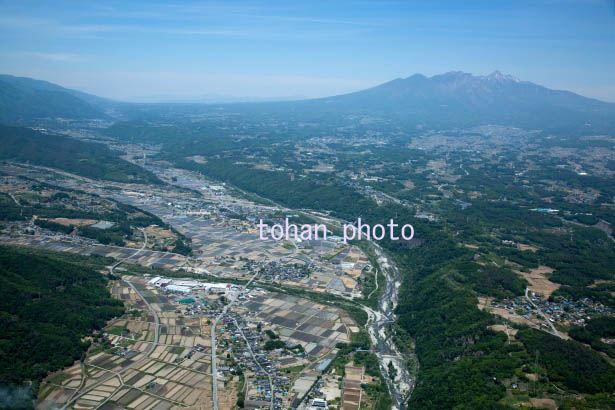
{"points": [[286, 50]]}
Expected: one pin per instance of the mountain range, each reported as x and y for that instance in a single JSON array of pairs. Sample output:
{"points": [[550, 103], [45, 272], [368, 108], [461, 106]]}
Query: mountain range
{"points": [[457, 99], [453, 99], [24, 99]]}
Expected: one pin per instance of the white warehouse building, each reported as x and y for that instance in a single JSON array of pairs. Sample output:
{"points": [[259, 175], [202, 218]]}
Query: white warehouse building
{"points": [[184, 290]]}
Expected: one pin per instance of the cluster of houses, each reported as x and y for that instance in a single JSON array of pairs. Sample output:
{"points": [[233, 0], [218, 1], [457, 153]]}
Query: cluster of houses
{"points": [[276, 271], [263, 379], [558, 309]]}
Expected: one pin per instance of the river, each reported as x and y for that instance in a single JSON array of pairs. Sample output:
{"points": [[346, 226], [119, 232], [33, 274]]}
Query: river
{"points": [[401, 387]]}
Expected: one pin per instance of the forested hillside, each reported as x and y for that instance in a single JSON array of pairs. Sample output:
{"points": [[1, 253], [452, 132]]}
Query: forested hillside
{"points": [[79, 157], [48, 304], [462, 360], [23, 100]]}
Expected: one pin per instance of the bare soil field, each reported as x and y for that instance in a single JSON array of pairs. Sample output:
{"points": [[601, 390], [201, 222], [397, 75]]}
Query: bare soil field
{"points": [[485, 304], [539, 282], [74, 222], [543, 403], [525, 247]]}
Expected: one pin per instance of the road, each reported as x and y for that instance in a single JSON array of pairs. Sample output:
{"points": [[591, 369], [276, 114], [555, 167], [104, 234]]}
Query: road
{"points": [[378, 321], [529, 299], [14, 199], [214, 365], [602, 225], [257, 363], [152, 345], [214, 368], [16, 203], [402, 386], [376, 281]]}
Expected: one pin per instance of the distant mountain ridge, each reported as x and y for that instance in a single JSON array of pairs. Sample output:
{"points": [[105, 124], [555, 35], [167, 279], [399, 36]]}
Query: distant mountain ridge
{"points": [[453, 99], [24, 99], [457, 86], [458, 99]]}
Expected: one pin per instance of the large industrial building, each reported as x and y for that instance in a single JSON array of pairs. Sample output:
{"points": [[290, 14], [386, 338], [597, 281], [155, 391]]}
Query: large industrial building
{"points": [[186, 286]]}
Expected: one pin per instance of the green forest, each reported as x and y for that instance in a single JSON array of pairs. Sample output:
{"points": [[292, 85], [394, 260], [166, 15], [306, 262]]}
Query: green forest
{"points": [[576, 367], [461, 360], [594, 331], [83, 158], [48, 304]]}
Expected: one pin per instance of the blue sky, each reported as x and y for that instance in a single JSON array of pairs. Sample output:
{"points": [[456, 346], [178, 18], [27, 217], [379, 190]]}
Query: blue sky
{"points": [[161, 49]]}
